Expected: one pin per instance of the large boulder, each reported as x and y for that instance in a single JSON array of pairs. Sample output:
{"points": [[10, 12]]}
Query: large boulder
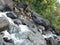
{"points": [[4, 24], [39, 20]]}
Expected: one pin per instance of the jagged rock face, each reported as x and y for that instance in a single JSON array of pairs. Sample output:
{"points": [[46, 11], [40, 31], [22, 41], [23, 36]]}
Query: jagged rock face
{"points": [[3, 24]]}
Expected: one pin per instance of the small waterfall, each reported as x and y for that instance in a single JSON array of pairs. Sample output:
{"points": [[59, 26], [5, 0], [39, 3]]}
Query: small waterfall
{"points": [[18, 34], [19, 37]]}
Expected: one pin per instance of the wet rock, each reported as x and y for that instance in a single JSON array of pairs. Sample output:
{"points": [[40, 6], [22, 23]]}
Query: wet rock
{"points": [[8, 40], [53, 41], [17, 21], [22, 5], [4, 24], [37, 39], [13, 28], [24, 42], [30, 24], [39, 20], [58, 32], [8, 44], [41, 28], [1, 8], [27, 33], [54, 31], [2, 42], [4, 8], [25, 36], [11, 15]]}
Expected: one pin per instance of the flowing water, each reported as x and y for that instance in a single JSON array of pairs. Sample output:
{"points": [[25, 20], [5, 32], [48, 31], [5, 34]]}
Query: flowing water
{"points": [[20, 33]]}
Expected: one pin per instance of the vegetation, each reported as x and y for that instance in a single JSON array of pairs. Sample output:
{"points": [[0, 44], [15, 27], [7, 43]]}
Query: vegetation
{"points": [[49, 9]]}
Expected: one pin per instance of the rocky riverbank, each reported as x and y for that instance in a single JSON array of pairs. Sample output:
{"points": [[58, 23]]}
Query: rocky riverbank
{"points": [[22, 26]]}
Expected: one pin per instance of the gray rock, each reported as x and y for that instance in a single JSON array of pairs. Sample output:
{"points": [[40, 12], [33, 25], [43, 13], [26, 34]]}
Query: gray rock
{"points": [[38, 19], [2, 42], [24, 42], [6, 8], [30, 24], [17, 21], [8, 40], [33, 36], [9, 44], [1, 7], [25, 36], [22, 5], [11, 14], [13, 28], [37, 39], [41, 28], [53, 41], [8, 2], [4, 24]]}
